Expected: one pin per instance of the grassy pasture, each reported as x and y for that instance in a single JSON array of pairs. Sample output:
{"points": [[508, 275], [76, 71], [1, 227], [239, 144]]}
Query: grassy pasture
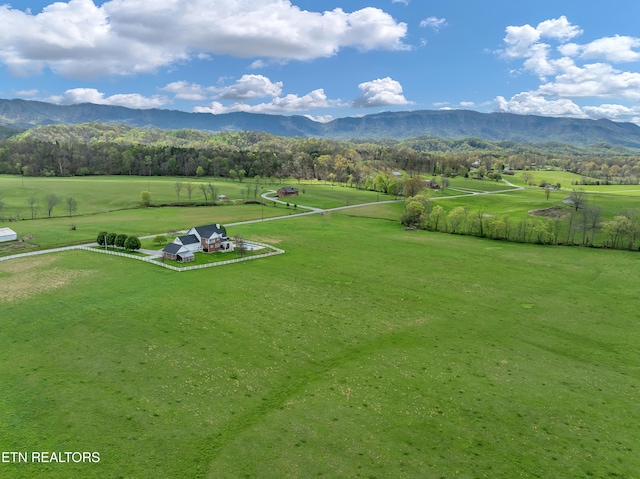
{"points": [[364, 351], [550, 176], [56, 232], [328, 196], [113, 204], [100, 194]]}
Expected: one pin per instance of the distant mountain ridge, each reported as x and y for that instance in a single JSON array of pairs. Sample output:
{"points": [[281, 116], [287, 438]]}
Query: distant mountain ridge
{"points": [[25, 114]]}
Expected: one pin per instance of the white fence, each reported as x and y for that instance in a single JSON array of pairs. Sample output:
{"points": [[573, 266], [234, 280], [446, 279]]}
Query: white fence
{"points": [[35, 253], [153, 260]]}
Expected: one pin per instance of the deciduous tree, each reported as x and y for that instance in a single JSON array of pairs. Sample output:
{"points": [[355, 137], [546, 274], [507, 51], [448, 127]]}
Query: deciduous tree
{"points": [[101, 238], [145, 198], [72, 206], [51, 200], [120, 240], [132, 243], [111, 239], [205, 191], [189, 187]]}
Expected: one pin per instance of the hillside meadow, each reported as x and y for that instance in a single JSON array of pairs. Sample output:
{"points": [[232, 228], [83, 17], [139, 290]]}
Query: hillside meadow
{"points": [[363, 351]]}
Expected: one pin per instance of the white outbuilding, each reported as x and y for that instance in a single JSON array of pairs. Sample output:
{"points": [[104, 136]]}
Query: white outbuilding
{"points": [[7, 234]]}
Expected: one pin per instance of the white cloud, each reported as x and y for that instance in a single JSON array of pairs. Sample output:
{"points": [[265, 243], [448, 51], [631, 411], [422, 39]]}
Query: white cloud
{"points": [[570, 49], [405, 2], [320, 118], [248, 87], [615, 49], [279, 105], [91, 95], [558, 28], [467, 104], [257, 64], [380, 92], [531, 104], [594, 80], [433, 22], [520, 40], [184, 90], [565, 74], [215, 108], [27, 93], [124, 37], [614, 112]]}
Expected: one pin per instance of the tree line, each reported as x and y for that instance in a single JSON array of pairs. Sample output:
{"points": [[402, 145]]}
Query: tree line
{"points": [[579, 225], [116, 240], [95, 149]]}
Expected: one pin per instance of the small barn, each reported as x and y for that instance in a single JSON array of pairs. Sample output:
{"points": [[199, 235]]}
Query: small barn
{"points": [[7, 234], [287, 191], [178, 252]]}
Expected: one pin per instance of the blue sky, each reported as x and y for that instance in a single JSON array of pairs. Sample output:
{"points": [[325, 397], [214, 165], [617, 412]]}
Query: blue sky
{"points": [[327, 59]]}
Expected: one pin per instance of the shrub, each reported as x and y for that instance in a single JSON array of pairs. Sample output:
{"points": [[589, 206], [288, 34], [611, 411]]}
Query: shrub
{"points": [[132, 243]]}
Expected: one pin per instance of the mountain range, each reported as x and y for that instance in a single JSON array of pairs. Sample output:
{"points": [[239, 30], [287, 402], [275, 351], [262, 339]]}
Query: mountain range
{"points": [[20, 115]]}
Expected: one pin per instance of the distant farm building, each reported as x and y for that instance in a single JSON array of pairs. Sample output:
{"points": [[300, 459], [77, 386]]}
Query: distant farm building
{"points": [[288, 191], [432, 184], [7, 234]]}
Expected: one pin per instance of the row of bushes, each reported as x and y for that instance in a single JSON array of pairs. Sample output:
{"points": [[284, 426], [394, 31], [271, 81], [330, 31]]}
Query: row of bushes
{"points": [[123, 241]]}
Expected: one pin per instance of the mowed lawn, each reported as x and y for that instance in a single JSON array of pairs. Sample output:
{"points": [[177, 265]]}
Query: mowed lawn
{"points": [[364, 351]]}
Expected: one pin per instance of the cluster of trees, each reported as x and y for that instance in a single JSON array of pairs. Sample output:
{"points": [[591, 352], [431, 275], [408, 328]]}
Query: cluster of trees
{"points": [[95, 149], [420, 213], [50, 202], [209, 190], [579, 225], [116, 240]]}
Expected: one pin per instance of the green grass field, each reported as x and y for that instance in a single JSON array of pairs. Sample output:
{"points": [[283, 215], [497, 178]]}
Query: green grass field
{"points": [[364, 351]]}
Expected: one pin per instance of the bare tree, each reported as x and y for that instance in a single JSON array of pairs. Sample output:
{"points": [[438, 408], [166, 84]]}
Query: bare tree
{"points": [[189, 187], [51, 200], [595, 215], [240, 247], [33, 204], [205, 191], [213, 190], [578, 198], [178, 186], [72, 206]]}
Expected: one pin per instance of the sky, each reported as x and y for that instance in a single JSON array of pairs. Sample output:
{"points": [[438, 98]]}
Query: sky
{"points": [[326, 59]]}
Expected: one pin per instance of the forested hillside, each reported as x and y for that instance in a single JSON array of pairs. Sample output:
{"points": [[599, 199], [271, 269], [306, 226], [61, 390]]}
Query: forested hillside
{"points": [[98, 149]]}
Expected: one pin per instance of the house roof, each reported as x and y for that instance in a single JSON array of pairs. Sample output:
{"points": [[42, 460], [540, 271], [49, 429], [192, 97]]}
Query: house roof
{"points": [[188, 239], [289, 189], [186, 254], [172, 248], [207, 231]]}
